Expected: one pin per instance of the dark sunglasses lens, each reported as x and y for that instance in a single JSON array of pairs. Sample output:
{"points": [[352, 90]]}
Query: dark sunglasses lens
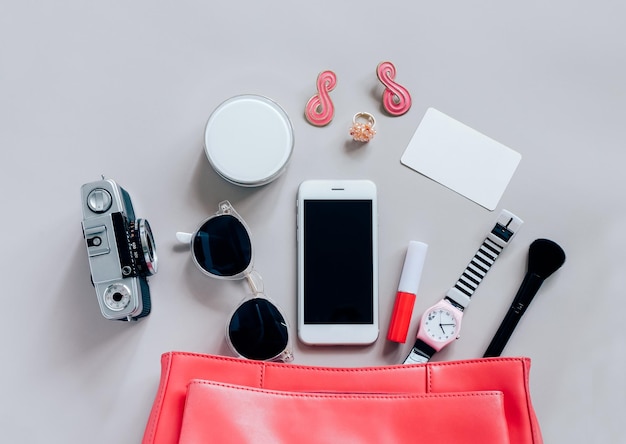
{"points": [[257, 330], [222, 246]]}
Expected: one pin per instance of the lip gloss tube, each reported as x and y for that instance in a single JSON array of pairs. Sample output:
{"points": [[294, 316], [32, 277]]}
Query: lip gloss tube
{"points": [[407, 291]]}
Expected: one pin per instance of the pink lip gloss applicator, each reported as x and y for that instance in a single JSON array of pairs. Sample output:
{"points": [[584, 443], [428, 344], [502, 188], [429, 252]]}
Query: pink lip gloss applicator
{"points": [[407, 291]]}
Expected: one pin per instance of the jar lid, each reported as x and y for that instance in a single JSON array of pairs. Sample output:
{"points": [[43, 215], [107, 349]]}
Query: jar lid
{"points": [[249, 140]]}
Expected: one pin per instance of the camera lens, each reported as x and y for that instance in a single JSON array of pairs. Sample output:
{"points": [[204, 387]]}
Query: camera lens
{"points": [[146, 250]]}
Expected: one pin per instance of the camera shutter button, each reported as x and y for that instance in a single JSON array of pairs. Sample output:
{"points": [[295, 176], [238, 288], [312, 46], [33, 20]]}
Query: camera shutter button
{"points": [[99, 200]]}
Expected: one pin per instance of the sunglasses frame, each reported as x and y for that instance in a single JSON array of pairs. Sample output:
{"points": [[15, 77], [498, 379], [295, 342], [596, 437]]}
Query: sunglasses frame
{"points": [[252, 277]]}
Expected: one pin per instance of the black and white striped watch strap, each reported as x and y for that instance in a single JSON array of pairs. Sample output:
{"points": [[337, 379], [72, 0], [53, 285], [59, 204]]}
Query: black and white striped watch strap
{"points": [[506, 226]]}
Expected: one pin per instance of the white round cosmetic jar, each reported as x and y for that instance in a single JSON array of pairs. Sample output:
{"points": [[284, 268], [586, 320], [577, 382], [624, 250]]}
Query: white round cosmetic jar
{"points": [[248, 140]]}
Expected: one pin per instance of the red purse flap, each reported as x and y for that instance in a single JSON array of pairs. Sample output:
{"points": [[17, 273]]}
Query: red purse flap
{"points": [[225, 413]]}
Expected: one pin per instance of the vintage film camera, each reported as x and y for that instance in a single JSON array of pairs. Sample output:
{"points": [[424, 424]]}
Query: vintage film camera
{"points": [[121, 249]]}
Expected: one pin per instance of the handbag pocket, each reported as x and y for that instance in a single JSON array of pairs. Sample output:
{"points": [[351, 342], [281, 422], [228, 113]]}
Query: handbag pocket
{"points": [[226, 413]]}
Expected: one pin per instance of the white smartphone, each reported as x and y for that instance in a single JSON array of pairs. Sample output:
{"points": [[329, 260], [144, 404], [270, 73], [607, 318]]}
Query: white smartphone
{"points": [[337, 232]]}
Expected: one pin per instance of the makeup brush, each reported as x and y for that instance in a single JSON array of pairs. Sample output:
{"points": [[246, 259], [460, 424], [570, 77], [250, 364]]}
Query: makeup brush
{"points": [[544, 258]]}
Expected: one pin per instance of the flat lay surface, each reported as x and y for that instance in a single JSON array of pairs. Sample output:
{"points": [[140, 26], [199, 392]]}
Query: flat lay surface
{"points": [[125, 90]]}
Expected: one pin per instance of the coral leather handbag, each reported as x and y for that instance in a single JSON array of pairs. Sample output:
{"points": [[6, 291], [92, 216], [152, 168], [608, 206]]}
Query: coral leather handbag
{"points": [[205, 398]]}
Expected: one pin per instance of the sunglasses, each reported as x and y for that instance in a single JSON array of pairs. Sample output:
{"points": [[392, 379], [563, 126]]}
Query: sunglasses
{"points": [[221, 248]]}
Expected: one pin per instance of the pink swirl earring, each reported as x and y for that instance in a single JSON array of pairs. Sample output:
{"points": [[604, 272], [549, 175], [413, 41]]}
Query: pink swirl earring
{"points": [[396, 98], [319, 110]]}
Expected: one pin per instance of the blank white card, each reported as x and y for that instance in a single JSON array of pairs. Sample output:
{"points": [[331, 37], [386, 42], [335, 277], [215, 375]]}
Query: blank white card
{"points": [[461, 158]]}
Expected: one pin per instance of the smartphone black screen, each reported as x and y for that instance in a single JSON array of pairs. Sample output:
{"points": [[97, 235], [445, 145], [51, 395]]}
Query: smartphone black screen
{"points": [[338, 262]]}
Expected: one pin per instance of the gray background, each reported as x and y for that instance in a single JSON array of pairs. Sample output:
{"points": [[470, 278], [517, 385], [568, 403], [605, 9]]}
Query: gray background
{"points": [[124, 88]]}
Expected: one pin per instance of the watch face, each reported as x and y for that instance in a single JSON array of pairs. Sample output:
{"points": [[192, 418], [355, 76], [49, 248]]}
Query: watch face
{"points": [[441, 325]]}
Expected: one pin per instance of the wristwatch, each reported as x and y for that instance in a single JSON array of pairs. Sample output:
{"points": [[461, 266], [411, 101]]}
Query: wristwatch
{"points": [[441, 323]]}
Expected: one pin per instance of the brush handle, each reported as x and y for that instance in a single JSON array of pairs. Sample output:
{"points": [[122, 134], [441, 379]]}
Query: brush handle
{"points": [[527, 291]]}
